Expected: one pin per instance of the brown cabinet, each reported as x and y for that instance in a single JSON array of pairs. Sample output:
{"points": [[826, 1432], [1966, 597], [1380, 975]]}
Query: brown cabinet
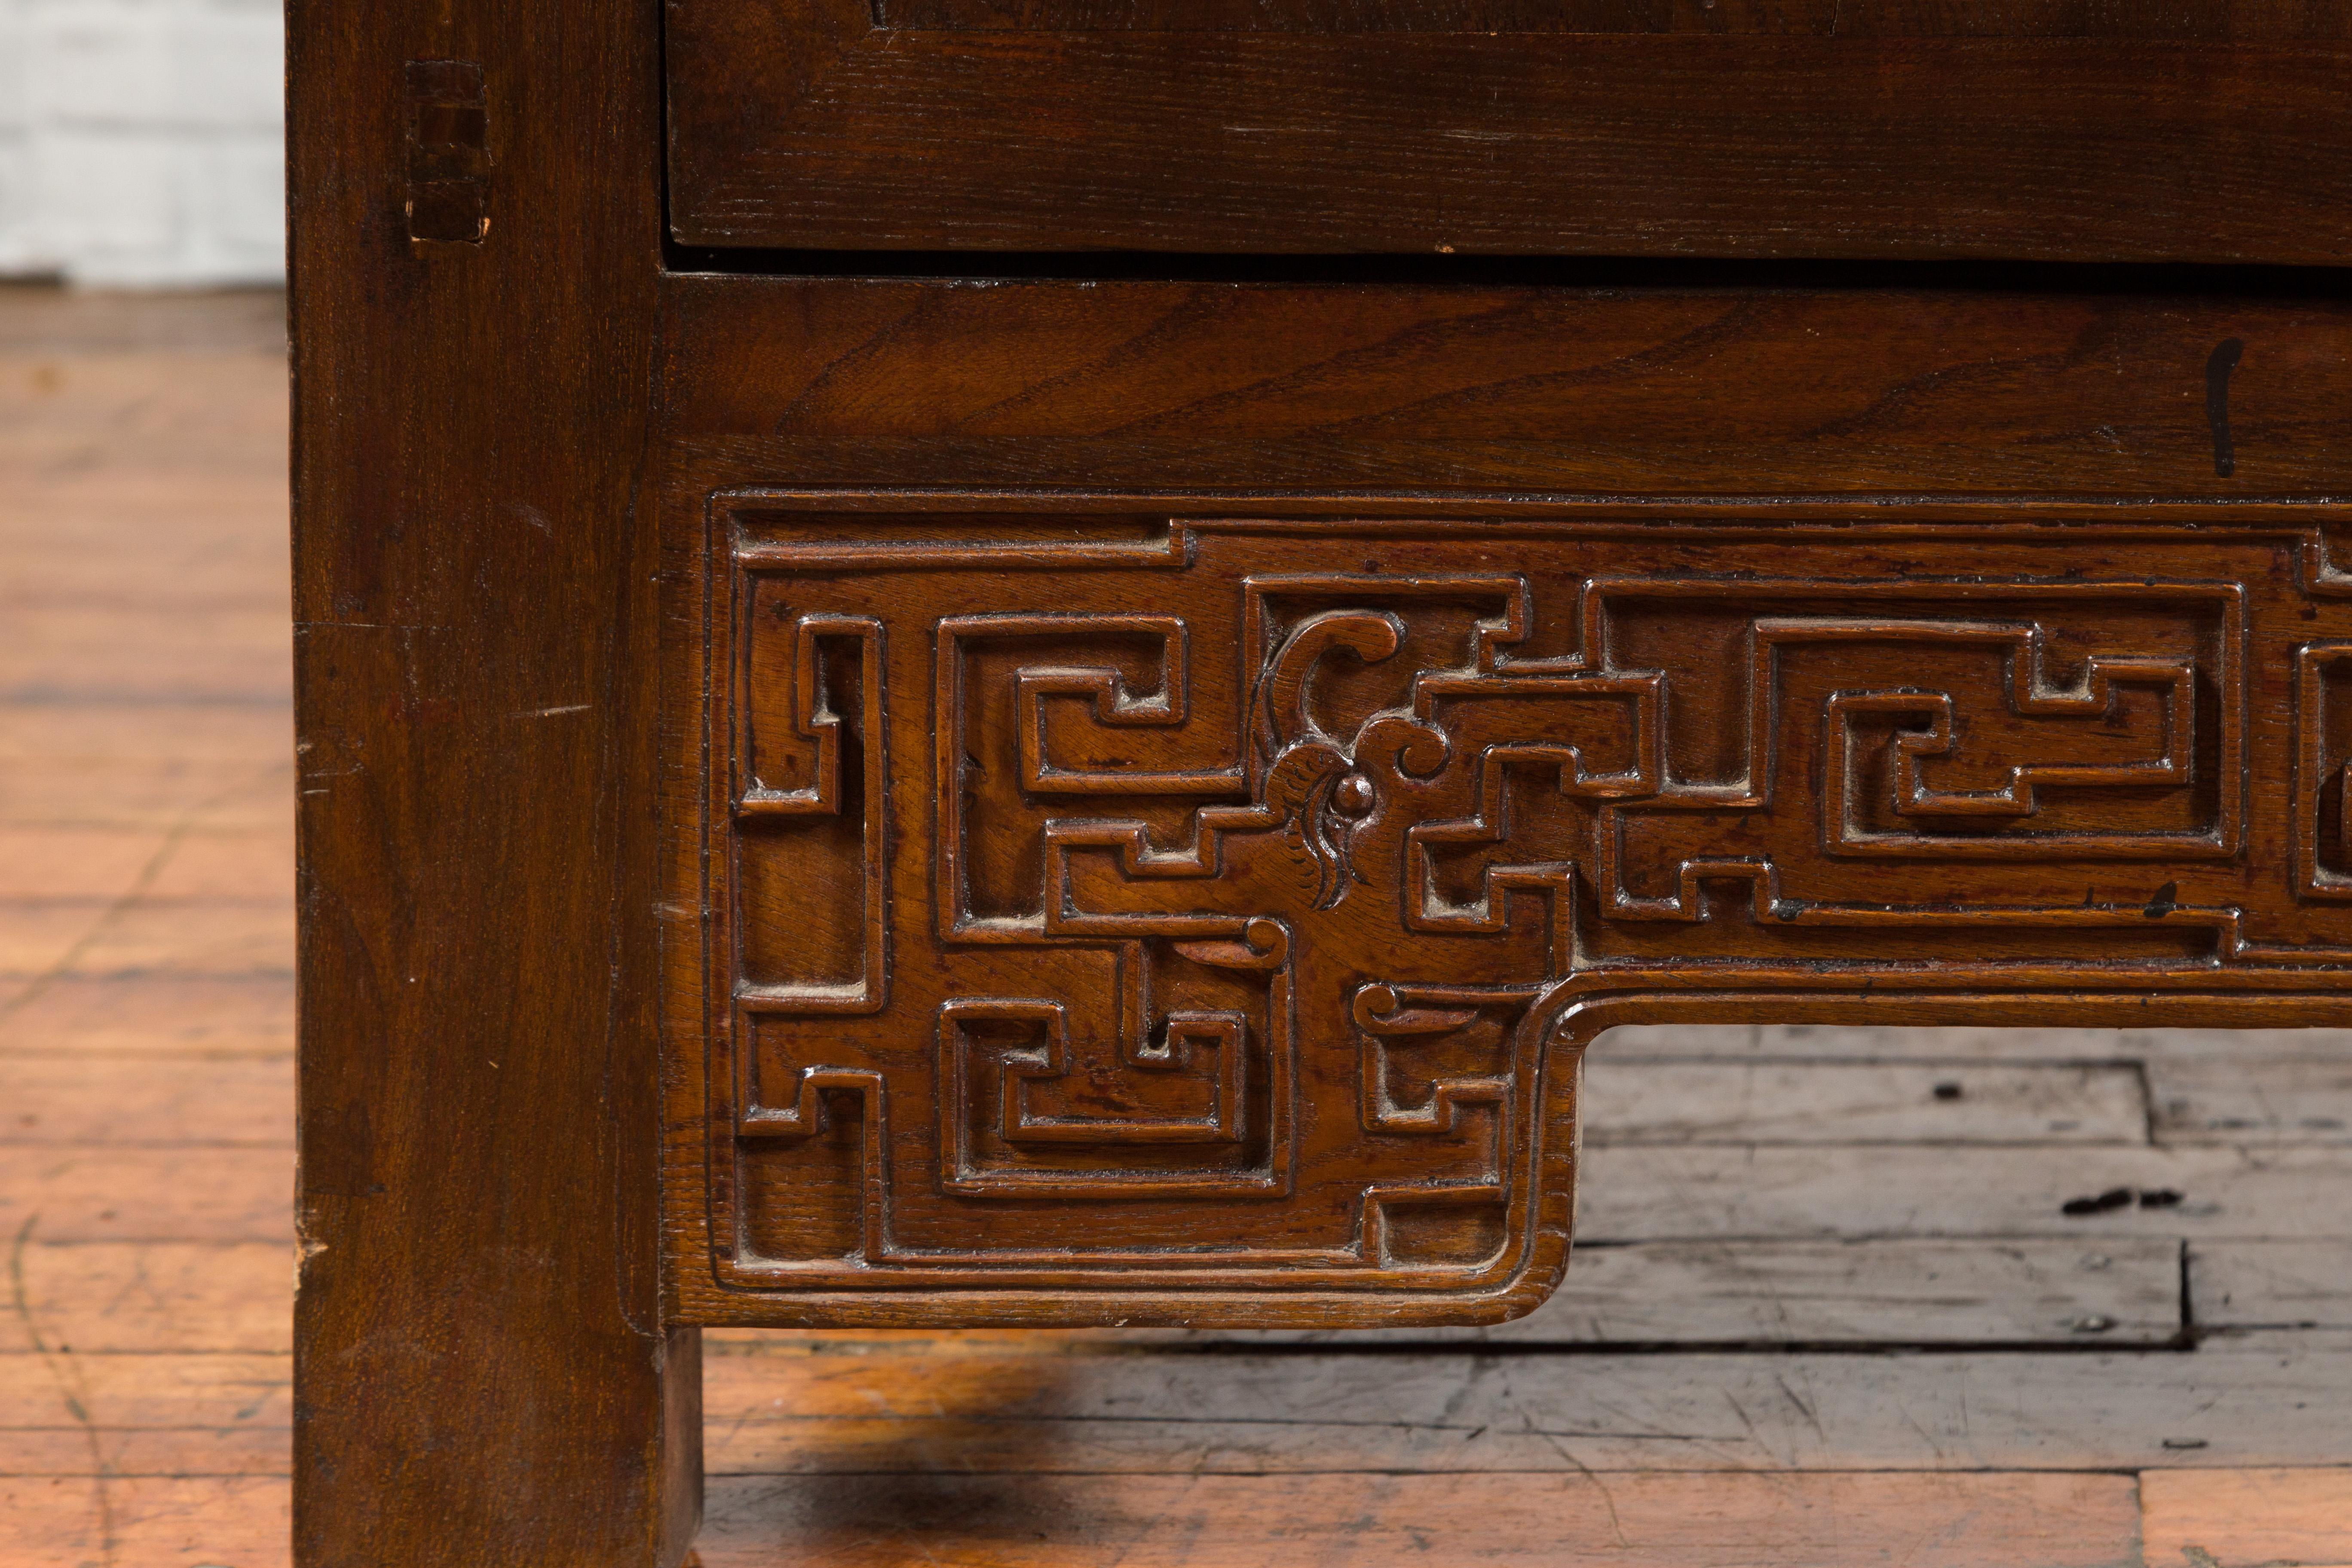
{"points": [[853, 778]]}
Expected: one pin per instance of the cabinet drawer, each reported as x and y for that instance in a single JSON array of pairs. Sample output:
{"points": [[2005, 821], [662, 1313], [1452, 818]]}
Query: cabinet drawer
{"points": [[1164, 780], [2215, 132]]}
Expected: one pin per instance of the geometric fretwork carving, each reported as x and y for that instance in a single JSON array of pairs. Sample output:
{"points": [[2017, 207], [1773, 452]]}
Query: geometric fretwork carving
{"points": [[1174, 909], [825, 828], [2322, 767]]}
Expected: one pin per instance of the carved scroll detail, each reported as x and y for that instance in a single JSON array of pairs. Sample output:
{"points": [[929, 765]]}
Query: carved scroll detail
{"points": [[1255, 865]]}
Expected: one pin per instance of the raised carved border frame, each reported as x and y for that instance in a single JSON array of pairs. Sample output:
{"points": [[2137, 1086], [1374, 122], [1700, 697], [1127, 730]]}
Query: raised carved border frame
{"points": [[1568, 1016]]}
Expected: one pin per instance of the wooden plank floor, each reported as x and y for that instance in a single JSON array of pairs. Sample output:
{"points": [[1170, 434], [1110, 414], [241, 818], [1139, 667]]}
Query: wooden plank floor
{"points": [[1827, 1308]]}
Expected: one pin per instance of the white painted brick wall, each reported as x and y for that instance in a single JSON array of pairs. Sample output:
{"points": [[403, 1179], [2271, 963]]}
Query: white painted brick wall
{"points": [[141, 141]]}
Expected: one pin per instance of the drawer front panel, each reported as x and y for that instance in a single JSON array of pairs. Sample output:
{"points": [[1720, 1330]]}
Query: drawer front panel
{"points": [[1175, 906], [2215, 132]]}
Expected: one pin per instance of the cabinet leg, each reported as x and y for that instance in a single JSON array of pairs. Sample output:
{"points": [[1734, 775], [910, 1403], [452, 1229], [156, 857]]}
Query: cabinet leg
{"points": [[437, 1438]]}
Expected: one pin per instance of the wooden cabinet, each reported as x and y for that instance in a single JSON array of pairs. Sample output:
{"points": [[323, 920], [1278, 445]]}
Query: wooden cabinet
{"points": [[850, 777]]}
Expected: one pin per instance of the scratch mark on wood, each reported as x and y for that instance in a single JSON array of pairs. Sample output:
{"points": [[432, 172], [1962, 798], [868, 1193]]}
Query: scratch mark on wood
{"points": [[2223, 360]]}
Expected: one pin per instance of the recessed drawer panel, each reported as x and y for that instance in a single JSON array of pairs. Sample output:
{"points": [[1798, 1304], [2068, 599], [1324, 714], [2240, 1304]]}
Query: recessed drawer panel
{"points": [[1163, 781], [2214, 131]]}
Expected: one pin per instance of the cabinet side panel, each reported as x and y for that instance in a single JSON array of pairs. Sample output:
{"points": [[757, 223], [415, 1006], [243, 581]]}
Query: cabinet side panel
{"points": [[483, 1377]]}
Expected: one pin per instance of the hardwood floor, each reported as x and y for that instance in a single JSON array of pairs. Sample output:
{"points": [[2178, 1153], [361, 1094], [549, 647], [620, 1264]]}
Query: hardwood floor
{"points": [[1829, 1306]]}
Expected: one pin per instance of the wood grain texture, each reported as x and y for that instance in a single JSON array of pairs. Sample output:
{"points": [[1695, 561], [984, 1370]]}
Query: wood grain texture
{"points": [[150, 1015], [65, 1450], [2156, 1050], [1757, 1292], [197, 1394], [72, 1099], [145, 795], [2239, 1518], [105, 1193], [76, 327], [54, 862], [1729, 1295], [182, 1522], [150, 1298], [1656, 1193], [1373, 1522], [2077, 1522], [486, 1379], [205, 652], [907, 1404], [2271, 1284], [2256, 1098], [140, 767], [63, 937], [1627, 392], [812, 125], [2217, 19], [1656, 1099]]}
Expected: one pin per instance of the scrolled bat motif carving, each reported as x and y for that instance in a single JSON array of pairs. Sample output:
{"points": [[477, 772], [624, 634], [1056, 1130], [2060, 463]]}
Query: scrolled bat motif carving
{"points": [[1206, 929]]}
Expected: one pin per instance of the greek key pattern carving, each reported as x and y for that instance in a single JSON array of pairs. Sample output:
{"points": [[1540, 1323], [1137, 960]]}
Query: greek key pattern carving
{"points": [[1182, 907]]}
